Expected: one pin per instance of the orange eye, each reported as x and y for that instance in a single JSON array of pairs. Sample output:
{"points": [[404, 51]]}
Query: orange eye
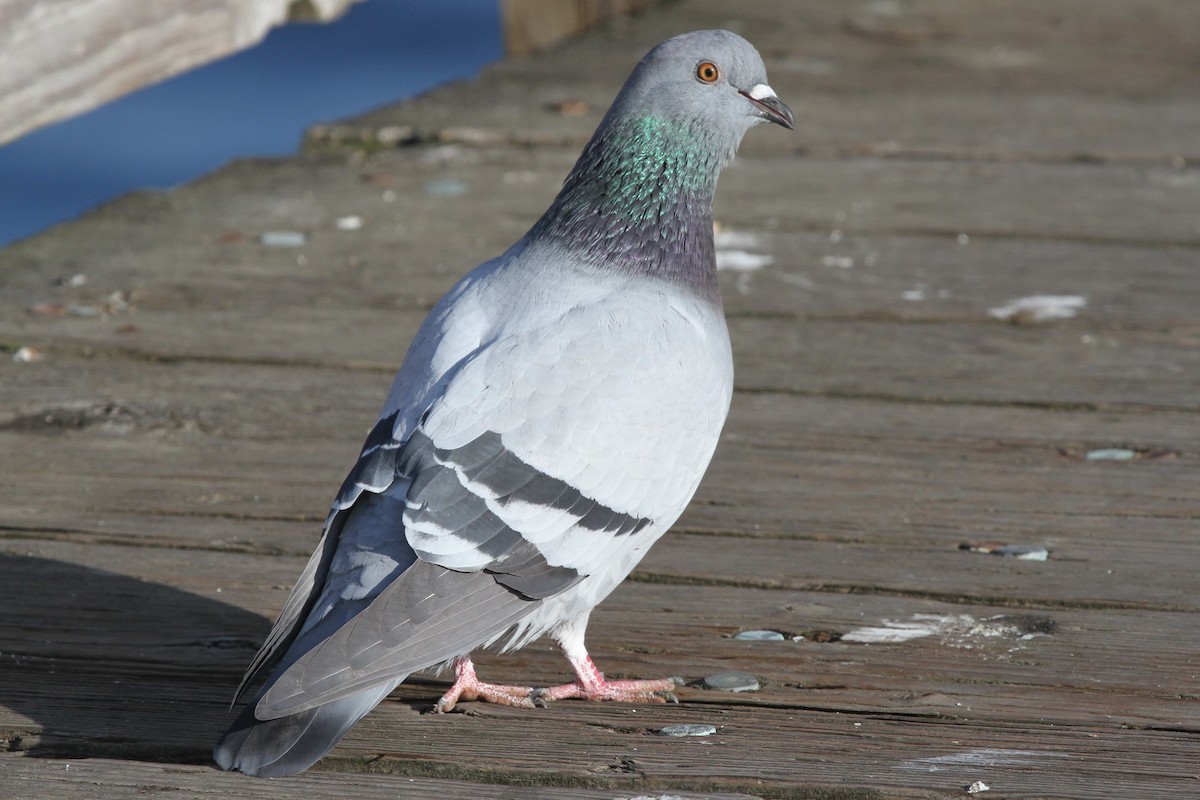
{"points": [[707, 72]]}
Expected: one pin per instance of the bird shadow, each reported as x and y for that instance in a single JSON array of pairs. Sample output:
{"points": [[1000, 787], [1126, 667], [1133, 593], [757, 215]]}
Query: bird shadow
{"points": [[93, 663]]}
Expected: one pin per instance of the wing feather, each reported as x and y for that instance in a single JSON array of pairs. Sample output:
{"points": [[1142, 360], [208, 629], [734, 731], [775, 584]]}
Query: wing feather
{"points": [[428, 615], [295, 609]]}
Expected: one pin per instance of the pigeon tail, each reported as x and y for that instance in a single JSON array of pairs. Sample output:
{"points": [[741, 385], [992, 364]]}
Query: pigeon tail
{"points": [[285, 746]]}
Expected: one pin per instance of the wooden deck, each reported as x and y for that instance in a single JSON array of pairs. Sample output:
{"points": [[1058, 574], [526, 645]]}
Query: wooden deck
{"points": [[169, 458]]}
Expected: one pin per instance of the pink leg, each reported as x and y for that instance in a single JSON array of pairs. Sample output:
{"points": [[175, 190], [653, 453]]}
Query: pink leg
{"points": [[589, 683], [468, 687]]}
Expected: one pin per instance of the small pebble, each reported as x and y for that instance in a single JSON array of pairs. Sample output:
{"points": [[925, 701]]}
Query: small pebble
{"points": [[885, 8], [392, 135], [71, 281], [981, 547], [446, 187], [689, 729], [761, 636], [283, 239], [115, 303], [570, 108], [48, 309], [27, 355], [732, 682], [1111, 454]]}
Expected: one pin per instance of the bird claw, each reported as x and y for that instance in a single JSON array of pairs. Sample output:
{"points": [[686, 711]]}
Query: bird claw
{"points": [[589, 686]]}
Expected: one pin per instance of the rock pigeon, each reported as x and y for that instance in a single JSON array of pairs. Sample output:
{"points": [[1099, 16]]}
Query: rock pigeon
{"points": [[551, 420]]}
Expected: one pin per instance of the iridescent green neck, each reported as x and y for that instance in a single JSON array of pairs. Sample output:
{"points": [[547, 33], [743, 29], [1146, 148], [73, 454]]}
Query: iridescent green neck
{"points": [[640, 198]]}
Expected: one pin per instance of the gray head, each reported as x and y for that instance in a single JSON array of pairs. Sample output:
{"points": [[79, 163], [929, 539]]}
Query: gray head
{"points": [[712, 82]]}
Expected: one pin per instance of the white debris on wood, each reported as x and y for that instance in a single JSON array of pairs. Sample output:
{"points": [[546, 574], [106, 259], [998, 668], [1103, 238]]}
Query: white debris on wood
{"points": [[733, 257], [1040, 307], [955, 630], [981, 757], [741, 261]]}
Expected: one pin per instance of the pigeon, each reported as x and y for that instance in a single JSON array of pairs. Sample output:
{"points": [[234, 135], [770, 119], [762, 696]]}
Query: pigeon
{"points": [[551, 420]]}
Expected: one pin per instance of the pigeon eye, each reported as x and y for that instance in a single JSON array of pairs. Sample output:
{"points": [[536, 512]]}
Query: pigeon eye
{"points": [[707, 72]]}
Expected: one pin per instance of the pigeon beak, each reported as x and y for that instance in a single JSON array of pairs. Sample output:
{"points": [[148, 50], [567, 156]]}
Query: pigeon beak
{"points": [[770, 107]]}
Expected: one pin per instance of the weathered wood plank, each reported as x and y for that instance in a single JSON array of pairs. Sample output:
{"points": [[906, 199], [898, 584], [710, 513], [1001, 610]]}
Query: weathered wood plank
{"points": [[843, 479], [256, 467], [788, 319], [969, 362], [59, 779], [128, 654], [1068, 366], [201, 628], [907, 213], [1076, 80]]}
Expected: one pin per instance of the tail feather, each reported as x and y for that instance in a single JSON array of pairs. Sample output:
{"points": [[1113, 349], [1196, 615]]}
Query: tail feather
{"points": [[287, 745]]}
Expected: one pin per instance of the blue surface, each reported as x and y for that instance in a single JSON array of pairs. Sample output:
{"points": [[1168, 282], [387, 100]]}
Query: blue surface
{"points": [[257, 102]]}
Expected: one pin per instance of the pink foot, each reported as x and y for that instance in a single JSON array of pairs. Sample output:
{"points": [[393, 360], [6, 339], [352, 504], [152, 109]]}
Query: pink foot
{"points": [[468, 687], [589, 685]]}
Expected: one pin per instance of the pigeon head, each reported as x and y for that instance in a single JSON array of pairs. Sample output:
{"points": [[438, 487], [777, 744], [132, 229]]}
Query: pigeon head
{"points": [[640, 196], [711, 82]]}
